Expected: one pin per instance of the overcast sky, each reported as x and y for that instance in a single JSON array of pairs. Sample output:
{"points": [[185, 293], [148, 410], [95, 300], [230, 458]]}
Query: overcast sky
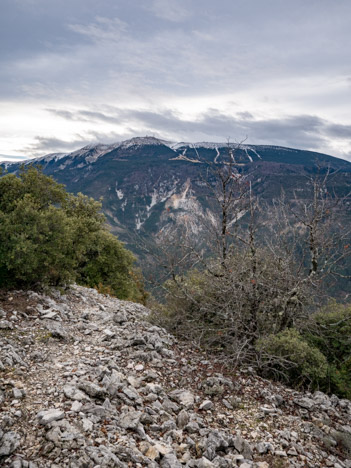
{"points": [[74, 72]]}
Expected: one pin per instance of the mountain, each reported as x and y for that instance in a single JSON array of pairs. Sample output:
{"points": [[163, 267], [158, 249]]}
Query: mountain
{"points": [[148, 184]]}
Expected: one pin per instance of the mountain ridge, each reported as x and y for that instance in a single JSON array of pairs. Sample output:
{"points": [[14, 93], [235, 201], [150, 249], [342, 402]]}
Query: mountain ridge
{"points": [[101, 149]]}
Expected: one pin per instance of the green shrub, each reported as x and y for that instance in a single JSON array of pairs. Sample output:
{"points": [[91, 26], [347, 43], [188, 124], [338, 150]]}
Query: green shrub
{"points": [[109, 264], [330, 331], [288, 356], [51, 237]]}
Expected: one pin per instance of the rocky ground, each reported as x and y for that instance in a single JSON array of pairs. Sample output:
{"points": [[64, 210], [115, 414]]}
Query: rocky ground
{"points": [[86, 381]]}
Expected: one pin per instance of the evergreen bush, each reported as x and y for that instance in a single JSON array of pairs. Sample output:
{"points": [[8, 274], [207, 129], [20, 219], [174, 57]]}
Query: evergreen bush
{"points": [[51, 237]]}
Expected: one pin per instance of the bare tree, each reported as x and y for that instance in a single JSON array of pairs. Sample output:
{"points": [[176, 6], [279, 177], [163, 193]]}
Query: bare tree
{"points": [[249, 284], [311, 228]]}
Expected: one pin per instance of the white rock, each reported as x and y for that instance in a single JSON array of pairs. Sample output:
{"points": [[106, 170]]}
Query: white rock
{"points": [[48, 416], [87, 425], [206, 405], [183, 397], [162, 448], [205, 463], [73, 393], [76, 406]]}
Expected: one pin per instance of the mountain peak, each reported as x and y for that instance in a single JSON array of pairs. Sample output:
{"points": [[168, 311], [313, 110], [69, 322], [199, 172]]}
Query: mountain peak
{"points": [[142, 141]]}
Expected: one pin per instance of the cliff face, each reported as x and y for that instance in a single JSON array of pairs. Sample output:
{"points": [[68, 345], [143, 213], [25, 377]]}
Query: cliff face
{"points": [[87, 381]]}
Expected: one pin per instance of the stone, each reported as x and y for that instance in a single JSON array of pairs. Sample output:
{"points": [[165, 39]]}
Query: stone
{"points": [[49, 315], [216, 441], [57, 330], [170, 461], [87, 425], [103, 457], [280, 453], [168, 425], [92, 389], [73, 393], [152, 453], [182, 419], [183, 397], [6, 325], [109, 334], [120, 317], [18, 393], [76, 406], [205, 463], [306, 403], [292, 452], [9, 443], [48, 416], [162, 448], [54, 435], [192, 427], [17, 463], [154, 388], [131, 393], [130, 420], [243, 447], [206, 405], [264, 447]]}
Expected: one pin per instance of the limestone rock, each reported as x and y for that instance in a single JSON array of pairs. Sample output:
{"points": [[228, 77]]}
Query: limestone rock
{"points": [[48, 416], [10, 441], [183, 397]]}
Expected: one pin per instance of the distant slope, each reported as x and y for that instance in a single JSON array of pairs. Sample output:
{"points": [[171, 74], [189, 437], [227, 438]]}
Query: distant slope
{"points": [[148, 184]]}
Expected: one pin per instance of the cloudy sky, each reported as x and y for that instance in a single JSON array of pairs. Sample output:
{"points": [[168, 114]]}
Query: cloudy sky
{"points": [[74, 72]]}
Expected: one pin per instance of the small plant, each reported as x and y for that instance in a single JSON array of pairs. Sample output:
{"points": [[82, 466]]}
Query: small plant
{"points": [[43, 337], [289, 357], [329, 330]]}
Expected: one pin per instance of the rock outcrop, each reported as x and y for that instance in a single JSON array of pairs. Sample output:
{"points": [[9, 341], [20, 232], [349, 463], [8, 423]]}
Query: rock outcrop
{"points": [[87, 381]]}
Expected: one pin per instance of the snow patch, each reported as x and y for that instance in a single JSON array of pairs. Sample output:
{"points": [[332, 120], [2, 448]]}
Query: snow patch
{"points": [[119, 193], [255, 152], [247, 154], [142, 141], [217, 155]]}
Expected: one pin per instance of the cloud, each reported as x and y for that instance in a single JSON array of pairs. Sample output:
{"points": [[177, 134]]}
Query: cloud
{"points": [[339, 131], [170, 10], [44, 145], [299, 131], [102, 29]]}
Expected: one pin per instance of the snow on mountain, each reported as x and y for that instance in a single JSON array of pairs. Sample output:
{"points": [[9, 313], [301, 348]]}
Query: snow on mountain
{"points": [[183, 151], [94, 151], [141, 141], [48, 157]]}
